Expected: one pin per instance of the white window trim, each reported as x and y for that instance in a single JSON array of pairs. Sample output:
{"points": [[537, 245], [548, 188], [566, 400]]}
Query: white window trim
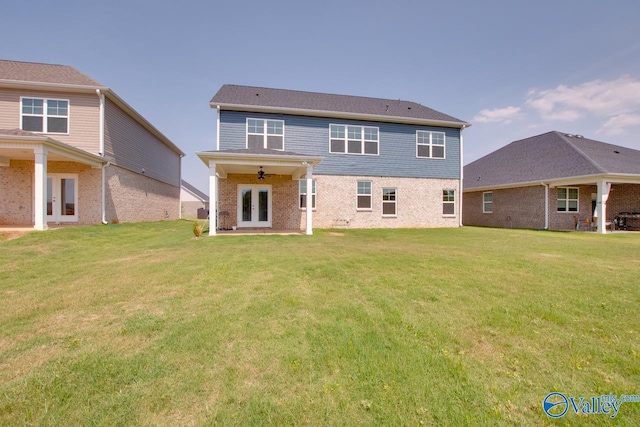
{"points": [[313, 193], [369, 209], [395, 202], [431, 145], [45, 114], [454, 202], [484, 203], [568, 199], [265, 134], [362, 140]]}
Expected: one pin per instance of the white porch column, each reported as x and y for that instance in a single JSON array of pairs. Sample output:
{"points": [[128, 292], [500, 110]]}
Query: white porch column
{"points": [[309, 200], [213, 198], [601, 204], [40, 202]]}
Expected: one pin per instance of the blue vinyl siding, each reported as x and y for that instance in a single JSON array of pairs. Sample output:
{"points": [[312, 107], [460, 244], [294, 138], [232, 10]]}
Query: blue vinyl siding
{"points": [[310, 136]]}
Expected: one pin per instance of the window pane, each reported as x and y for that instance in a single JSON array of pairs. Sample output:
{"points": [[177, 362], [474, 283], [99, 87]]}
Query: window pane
{"points": [[355, 132], [255, 126], [437, 138], [263, 207], [364, 202], [56, 108], [303, 186], [388, 208], [423, 137], [573, 206], [67, 189], [255, 141], [562, 205], [371, 134], [423, 151], [275, 142], [388, 194], [31, 123], [32, 106], [355, 147], [56, 125], [488, 197], [437, 151], [364, 187], [371, 147], [246, 205], [573, 193], [448, 208], [274, 127], [448, 195], [562, 193], [337, 131], [337, 146], [303, 201]]}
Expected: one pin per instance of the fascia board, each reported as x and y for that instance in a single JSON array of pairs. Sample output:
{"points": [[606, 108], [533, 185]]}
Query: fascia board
{"points": [[341, 115]]}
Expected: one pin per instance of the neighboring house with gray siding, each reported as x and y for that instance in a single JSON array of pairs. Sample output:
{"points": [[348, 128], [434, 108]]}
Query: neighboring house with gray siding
{"points": [[551, 181], [72, 151], [348, 161]]}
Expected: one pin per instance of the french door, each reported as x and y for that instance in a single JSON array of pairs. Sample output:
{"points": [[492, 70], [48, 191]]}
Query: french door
{"points": [[254, 206], [62, 198]]}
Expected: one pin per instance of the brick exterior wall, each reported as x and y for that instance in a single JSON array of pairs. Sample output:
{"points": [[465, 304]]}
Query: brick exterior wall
{"points": [[419, 202], [133, 197], [524, 207], [17, 191]]}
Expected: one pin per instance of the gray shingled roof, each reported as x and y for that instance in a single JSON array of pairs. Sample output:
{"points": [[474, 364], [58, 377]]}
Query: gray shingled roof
{"points": [[260, 151], [44, 73], [194, 190], [553, 155], [248, 97]]}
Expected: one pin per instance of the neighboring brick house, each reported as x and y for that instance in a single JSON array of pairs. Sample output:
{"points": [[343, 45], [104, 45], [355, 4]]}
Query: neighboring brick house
{"points": [[347, 161], [551, 181], [193, 202], [72, 151]]}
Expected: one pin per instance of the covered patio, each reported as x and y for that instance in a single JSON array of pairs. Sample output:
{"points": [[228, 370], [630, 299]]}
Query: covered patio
{"points": [[258, 189], [39, 179]]}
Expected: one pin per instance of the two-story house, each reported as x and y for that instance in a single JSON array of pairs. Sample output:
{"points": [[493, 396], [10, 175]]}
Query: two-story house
{"points": [[72, 151], [292, 160]]}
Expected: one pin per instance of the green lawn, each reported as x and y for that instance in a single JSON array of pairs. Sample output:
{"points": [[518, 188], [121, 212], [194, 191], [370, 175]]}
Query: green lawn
{"points": [[140, 324]]}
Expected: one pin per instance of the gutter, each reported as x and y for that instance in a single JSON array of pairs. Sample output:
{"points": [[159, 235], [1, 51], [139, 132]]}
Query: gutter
{"points": [[461, 173], [104, 167], [546, 205]]}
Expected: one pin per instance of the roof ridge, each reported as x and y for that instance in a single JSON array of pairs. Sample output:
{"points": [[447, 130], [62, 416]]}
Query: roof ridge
{"points": [[564, 138]]}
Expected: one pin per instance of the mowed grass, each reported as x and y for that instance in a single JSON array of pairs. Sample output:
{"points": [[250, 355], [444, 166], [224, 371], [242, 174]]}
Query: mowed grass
{"points": [[140, 324]]}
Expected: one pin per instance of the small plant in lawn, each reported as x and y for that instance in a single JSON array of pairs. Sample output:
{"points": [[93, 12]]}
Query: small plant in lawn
{"points": [[197, 229]]}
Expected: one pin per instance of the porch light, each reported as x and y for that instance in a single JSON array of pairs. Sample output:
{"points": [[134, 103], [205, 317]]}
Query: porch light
{"points": [[260, 173]]}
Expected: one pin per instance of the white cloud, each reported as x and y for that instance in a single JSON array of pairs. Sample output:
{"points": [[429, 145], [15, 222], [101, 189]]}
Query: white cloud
{"points": [[602, 99], [497, 115], [619, 124]]}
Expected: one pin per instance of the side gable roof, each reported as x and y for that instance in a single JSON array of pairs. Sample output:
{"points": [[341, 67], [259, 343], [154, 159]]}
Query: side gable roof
{"points": [[193, 190], [250, 98], [32, 75], [553, 155]]}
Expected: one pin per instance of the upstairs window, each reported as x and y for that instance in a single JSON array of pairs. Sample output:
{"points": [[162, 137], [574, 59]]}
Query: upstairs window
{"points": [[430, 144], [568, 199], [262, 133], [45, 115], [353, 139]]}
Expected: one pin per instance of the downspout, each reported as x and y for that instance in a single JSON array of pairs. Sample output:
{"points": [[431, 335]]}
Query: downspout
{"points": [[101, 152], [461, 173], [217, 128], [546, 205]]}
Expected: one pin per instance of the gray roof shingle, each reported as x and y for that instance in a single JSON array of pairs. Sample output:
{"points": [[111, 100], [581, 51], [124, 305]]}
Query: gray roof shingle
{"points": [[246, 97], [44, 73], [553, 155]]}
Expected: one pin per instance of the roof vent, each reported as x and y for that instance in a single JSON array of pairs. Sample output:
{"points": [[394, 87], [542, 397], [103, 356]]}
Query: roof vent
{"points": [[579, 136], [570, 135], [257, 94], [408, 108], [616, 151]]}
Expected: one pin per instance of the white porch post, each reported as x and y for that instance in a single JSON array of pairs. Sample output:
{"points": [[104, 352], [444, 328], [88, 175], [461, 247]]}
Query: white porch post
{"points": [[40, 202], [213, 198], [601, 204], [309, 200]]}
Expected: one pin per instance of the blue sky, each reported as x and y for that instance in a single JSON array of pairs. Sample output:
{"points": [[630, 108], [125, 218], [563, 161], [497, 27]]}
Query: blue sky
{"points": [[513, 69]]}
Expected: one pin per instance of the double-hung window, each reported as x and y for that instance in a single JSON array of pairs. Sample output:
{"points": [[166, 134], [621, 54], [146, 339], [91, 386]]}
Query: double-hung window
{"points": [[448, 202], [263, 133], [353, 139], [45, 115], [430, 144], [302, 189], [364, 196], [487, 202], [568, 199], [389, 201]]}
